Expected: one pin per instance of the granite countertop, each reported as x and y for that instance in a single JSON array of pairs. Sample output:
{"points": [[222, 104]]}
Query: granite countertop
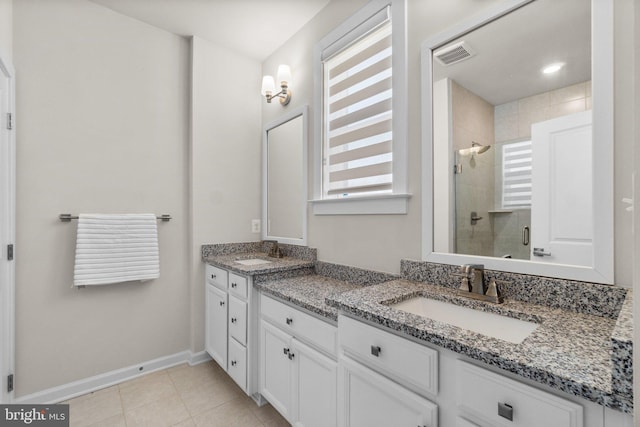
{"points": [[275, 265], [569, 351], [309, 292]]}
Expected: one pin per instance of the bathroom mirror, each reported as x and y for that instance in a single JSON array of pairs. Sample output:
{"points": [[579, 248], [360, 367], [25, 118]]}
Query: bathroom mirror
{"points": [[284, 182], [518, 158]]}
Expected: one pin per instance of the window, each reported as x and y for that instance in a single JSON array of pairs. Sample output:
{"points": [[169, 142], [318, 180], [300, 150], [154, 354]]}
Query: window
{"points": [[516, 175], [360, 126]]}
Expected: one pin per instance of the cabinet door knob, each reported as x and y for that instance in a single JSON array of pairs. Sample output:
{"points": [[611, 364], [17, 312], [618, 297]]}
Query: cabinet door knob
{"points": [[285, 350], [233, 363], [289, 320], [505, 411], [375, 350], [291, 356], [221, 303], [233, 285], [234, 320], [213, 276]]}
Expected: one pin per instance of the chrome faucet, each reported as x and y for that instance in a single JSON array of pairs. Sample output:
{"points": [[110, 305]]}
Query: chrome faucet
{"points": [[473, 284], [274, 252]]}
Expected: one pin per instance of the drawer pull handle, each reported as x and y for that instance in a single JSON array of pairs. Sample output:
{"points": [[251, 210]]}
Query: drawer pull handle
{"points": [[234, 320], [505, 411], [289, 320], [375, 350], [285, 350], [291, 356], [213, 276], [233, 285], [221, 303], [233, 363]]}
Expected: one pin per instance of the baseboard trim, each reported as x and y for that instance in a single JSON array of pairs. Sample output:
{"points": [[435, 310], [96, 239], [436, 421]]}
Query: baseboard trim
{"points": [[107, 379]]}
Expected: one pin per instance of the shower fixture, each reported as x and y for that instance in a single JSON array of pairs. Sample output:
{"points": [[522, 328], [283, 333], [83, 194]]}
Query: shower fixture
{"points": [[475, 148]]}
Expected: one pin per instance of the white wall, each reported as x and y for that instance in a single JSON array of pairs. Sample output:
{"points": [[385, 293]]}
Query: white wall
{"points": [[376, 242], [6, 28], [624, 139], [102, 113], [380, 242], [225, 159]]}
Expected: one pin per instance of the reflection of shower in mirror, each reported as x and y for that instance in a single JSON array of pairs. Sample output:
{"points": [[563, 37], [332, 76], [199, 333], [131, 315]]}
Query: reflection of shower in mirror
{"points": [[476, 148]]}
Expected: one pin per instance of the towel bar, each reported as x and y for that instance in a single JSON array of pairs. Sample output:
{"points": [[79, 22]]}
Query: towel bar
{"points": [[69, 217]]}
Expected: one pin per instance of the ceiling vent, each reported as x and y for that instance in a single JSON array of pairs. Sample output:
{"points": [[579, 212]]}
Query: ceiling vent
{"points": [[454, 53]]}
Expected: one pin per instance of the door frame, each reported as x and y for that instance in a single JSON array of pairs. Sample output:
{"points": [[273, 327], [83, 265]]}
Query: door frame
{"points": [[8, 226]]}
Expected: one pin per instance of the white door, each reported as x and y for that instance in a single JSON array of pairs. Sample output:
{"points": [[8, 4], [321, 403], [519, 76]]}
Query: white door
{"points": [[216, 325], [7, 229], [562, 190], [314, 387], [367, 399], [276, 368]]}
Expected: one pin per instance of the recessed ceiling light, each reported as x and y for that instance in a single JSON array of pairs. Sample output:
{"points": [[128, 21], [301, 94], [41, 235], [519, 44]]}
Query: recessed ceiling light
{"points": [[552, 68]]}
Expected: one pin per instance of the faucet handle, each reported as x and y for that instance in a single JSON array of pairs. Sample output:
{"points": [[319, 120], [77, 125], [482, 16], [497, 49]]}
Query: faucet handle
{"points": [[493, 292], [464, 285]]}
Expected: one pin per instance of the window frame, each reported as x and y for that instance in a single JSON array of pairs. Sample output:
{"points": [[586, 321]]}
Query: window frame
{"points": [[395, 202]]}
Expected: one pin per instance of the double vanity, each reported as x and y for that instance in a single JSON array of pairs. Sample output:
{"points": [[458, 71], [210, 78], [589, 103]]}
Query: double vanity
{"points": [[328, 345]]}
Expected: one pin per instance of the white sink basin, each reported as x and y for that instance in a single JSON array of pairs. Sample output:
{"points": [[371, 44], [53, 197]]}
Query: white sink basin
{"points": [[253, 261], [490, 324]]}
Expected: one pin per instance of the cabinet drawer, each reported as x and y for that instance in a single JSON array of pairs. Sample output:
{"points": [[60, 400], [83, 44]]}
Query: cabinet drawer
{"points": [[412, 363], [237, 367], [301, 325], [369, 399], [238, 285], [238, 319], [216, 276], [483, 394]]}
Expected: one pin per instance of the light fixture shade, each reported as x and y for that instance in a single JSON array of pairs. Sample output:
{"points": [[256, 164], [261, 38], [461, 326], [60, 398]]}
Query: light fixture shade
{"points": [[268, 85], [284, 75]]}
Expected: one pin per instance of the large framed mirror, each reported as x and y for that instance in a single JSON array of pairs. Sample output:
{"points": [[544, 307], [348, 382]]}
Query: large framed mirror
{"points": [[518, 140], [284, 178]]}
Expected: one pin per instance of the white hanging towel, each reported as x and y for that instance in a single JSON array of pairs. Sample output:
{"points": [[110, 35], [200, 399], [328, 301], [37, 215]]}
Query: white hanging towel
{"points": [[114, 248]]}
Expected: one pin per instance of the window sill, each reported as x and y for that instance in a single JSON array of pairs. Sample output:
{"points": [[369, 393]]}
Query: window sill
{"points": [[392, 204]]}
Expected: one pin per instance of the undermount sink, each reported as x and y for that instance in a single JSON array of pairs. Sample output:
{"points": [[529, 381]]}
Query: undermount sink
{"points": [[253, 261], [490, 324]]}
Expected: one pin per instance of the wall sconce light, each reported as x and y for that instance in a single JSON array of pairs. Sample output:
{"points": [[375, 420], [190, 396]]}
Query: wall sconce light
{"points": [[269, 87]]}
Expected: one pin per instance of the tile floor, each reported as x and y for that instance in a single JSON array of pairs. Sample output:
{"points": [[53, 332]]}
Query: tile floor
{"points": [[184, 396]]}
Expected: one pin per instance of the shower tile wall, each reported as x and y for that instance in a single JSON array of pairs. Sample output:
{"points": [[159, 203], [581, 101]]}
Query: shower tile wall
{"points": [[513, 120], [473, 120]]}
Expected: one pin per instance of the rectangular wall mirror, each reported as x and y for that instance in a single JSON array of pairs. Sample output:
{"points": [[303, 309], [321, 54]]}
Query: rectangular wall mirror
{"points": [[284, 179], [518, 140]]}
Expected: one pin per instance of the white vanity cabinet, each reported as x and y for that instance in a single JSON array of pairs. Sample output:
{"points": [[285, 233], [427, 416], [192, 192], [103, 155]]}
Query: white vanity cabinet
{"points": [[379, 376], [385, 376], [229, 338], [298, 370], [216, 324]]}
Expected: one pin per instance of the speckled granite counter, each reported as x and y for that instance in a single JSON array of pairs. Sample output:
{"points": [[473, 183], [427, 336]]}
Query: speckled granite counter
{"points": [[309, 292], [569, 351], [297, 260], [275, 265]]}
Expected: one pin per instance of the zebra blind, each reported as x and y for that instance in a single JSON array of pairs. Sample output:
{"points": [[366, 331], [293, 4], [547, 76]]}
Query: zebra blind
{"points": [[516, 174], [357, 146]]}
